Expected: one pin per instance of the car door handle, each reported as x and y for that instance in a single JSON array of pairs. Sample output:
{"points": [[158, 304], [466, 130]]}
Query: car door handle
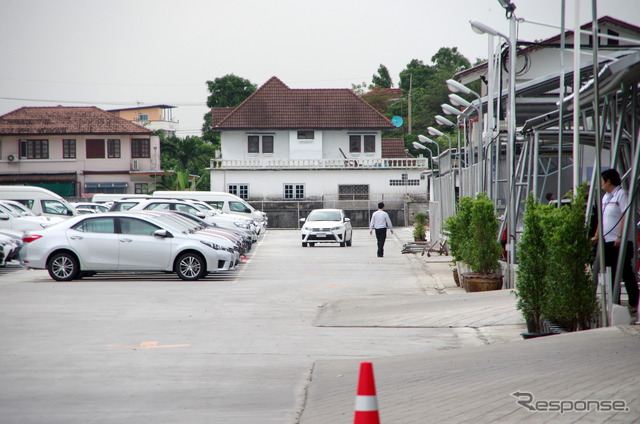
{"points": [[76, 237], [125, 240]]}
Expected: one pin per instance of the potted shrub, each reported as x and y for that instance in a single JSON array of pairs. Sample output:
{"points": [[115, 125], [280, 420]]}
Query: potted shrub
{"points": [[571, 299], [482, 251], [457, 227], [420, 226], [533, 261]]}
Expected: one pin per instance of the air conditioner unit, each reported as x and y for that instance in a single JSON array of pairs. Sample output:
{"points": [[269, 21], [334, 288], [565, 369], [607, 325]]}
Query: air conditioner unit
{"points": [[135, 166], [11, 158]]}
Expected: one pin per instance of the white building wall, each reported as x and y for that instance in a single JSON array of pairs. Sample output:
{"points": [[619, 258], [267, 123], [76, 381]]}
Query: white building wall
{"points": [[269, 184], [325, 145], [305, 148], [234, 145], [336, 140]]}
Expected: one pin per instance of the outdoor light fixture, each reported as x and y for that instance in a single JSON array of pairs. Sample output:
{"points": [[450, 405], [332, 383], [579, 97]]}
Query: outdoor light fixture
{"points": [[441, 120], [435, 132], [459, 101], [450, 110], [480, 28], [456, 87], [419, 146]]}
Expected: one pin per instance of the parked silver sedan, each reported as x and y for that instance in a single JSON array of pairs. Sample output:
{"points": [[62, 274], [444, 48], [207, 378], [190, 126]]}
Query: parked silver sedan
{"points": [[120, 241]]}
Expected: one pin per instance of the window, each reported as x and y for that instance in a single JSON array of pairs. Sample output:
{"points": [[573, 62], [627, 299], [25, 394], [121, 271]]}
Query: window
{"points": [[143, 117], [141, 188], [369, 143], [96, 225], [353, 192], [137, 227], [109, 188], [54, 207], [236, 206], [113, 148], [140, 148], [216, 204], [95, 149], [240, 190], [362, 143], [306, 135], [158, 207], [34, 149], [260, 144], [354, 144], [68, 149], [293, 191], [404, 181]]}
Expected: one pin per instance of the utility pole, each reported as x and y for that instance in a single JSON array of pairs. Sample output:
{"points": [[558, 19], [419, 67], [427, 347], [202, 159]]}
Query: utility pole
{"points": [[409, 101]]}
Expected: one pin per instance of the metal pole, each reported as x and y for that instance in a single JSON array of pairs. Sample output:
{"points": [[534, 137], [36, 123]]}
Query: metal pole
{"points": [[561, 108], [511, 147], [577, 160], [598, 143]]}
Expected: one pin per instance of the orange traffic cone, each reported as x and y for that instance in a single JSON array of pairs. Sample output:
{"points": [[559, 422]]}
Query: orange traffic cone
{"points": [[366, 400]]}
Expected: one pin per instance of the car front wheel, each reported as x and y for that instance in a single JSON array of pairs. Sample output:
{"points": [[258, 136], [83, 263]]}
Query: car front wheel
{"points": [[191, 267], [63, 267]]}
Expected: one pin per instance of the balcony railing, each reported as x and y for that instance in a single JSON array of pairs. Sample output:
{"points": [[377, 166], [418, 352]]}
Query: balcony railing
{"points": [[318, 163]]}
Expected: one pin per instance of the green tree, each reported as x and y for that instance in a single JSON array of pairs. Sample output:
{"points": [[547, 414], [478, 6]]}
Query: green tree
{"points": [[227, 91], [191, 155], [382, 79]]}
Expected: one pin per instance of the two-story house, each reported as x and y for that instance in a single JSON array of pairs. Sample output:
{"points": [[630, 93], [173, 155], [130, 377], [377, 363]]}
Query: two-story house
{"points": [[284, 144], [77, 151]]}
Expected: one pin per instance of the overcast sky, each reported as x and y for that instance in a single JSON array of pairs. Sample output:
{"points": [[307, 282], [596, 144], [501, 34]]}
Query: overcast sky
{"points": [[116, 53]]}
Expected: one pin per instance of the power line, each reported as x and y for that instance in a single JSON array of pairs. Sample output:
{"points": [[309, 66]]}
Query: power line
{"points": [[99, 102]]}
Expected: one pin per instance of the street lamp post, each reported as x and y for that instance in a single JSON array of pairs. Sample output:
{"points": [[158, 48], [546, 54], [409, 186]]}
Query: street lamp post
{"points": [[451, 189], [425, 139], [481, 28], [456, 87]]}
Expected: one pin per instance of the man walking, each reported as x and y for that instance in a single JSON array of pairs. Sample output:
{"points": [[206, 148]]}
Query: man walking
{"points": [[380, 222]]}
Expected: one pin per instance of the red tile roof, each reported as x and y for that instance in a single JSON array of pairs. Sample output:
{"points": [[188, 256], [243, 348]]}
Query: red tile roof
{"points": [[394, 148], [66, 120], [276, 106]]}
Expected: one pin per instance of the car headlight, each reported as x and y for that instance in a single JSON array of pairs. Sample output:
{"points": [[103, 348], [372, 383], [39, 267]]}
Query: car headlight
{"points": [[211, 245], [304, 227], [242, 225], [339, 227]]}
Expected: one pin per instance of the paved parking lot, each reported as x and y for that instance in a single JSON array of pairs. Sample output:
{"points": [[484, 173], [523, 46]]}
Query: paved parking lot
{"points": [[233, 348]]}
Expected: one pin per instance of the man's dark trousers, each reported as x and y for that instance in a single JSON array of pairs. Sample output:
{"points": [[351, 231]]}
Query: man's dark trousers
{"points": [[381, 236], [611, 259]]}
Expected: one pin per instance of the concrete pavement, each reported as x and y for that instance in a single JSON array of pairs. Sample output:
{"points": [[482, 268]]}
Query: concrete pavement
{"points": [[584, 377]]}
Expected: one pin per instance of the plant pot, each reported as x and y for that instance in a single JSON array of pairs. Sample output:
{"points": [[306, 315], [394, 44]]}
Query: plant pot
{"points": [[482, 282], [456, 277], [535, 335]]}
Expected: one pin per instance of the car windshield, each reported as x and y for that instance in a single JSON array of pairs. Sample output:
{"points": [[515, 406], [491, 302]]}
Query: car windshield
{"points": [[9, 211], [320, 215]]}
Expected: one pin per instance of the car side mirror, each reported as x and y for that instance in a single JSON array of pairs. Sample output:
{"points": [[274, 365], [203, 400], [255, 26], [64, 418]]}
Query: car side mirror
{"points": [[347, 220], [247, 210], [4, 216], [303, 219], [69, 212], [201, 215], [162, 233]]}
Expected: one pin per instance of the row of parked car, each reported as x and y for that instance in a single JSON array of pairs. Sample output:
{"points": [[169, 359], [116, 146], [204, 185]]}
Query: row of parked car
{"points": [[187, 236]]}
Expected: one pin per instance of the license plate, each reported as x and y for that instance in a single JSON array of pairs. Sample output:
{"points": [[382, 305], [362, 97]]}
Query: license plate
{"points": [[321, 235]]}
